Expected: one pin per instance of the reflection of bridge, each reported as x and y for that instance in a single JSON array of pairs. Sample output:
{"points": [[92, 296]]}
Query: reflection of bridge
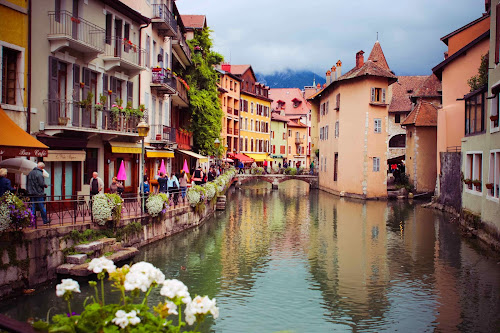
{"points": [[276, 179]]}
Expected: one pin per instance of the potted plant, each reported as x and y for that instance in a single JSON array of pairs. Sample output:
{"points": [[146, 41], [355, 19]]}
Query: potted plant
{"points": [[156, 69], [494, 117], [477, 183], [62, 121], [99, 106], [489, 186], [87, 103]]}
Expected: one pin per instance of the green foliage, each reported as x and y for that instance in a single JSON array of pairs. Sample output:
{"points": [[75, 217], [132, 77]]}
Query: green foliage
{"points": [[481, 79], [206, 111]]}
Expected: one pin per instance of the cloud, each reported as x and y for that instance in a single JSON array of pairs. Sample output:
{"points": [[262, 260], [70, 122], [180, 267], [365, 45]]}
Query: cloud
{"points": [[273, 35]]}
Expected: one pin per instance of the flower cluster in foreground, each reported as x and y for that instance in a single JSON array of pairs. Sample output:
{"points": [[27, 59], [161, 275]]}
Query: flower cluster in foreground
{"points": [[130, 314]]}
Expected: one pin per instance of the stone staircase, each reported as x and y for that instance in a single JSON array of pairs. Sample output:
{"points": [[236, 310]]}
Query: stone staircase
{"points": [[77, 264]]}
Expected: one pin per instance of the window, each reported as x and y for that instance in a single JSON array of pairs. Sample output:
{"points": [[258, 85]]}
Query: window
{"points": [[289, 133], [148, 51], [398, 141], [494, 177], [378, 126], [397, 118], [246, 144], [337, 129], [335, 167], [337, 100], [251, 124], [246, 123], [321, 133], [9, 75], [376, 164], [109, 31], [154, 54], [377, 95], [282, 149], [495, 108], [251, 108], [473, 170], [251, 144], [326, 132], [474, 112], [272, 134], [289, 149]]}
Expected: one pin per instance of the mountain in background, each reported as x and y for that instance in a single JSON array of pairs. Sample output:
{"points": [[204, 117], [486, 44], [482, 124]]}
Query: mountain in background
{"points": [[290, 79]]}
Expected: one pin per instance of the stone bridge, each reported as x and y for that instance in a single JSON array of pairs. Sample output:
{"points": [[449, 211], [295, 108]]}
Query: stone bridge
{"points": [[276, 179]]}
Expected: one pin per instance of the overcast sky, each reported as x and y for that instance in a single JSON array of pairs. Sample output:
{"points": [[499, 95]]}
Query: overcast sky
{"points": [[278, 34]]}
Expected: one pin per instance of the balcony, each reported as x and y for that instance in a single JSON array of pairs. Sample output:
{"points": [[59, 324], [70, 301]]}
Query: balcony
{"points": [[299, 141], [161, 134], [163, 82], [180, 98], [66, 31], [183, 139], [229, 110], [164, 21], [181, 48], [124, 55], [64, 114]]}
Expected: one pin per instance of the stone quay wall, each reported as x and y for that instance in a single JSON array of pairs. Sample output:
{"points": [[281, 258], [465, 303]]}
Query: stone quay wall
{"points": [[30, 258]]}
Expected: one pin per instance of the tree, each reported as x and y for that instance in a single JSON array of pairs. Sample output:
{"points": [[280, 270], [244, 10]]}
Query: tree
{"points": [[481, 79], [205, 107]]}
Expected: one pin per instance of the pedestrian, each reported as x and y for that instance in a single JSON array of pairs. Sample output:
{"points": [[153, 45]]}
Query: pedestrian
{"points": [[205, 177], [183, 184], [173, 188], [279, 165], [5, 184], [198, 176], [265, 166], [311, 168], [116, 187], [241, 166], [36, 190], [211, 174], [162, 183], [96, 184], [285, 165], [145, 186]]}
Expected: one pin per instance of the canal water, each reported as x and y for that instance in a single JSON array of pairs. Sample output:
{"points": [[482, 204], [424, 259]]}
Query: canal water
{"points": [[307, 261]]}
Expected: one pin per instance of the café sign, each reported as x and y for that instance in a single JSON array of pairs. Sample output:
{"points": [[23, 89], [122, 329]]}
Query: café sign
{"points": [[65, 156], [23, 151]]}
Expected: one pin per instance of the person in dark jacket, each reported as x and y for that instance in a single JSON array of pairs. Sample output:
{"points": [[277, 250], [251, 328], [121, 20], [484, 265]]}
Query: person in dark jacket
{"points": [[5, 183], [36, 187], [162, 183]]}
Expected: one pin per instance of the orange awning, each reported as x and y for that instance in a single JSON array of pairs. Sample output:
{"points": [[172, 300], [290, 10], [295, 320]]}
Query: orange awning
{"points": [[14, 141]]}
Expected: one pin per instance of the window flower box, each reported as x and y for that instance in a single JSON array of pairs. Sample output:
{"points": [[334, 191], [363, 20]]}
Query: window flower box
{"points": [[156, 69], [494, 118], [489, 186], [75, 19], [477, 183]]}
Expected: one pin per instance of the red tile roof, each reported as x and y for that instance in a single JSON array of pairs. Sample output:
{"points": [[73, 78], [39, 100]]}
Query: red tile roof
{"points": [[424, 114], [378, 57], [430, 87], [293, 123], [194, 21], [402, 90], [277, 117], [288, 95], [239, 69]]}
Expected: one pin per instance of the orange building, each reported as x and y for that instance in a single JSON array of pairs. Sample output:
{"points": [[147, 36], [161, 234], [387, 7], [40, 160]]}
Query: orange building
{"points": [[352, 113], [229, 92]]}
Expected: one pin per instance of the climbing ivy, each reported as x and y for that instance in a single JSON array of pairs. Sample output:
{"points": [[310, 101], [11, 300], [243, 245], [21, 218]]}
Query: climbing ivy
{"points": [[205, 107]]}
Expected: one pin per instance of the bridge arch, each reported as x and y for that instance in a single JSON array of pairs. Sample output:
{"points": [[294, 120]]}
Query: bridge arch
{"points": [[276, 179]]}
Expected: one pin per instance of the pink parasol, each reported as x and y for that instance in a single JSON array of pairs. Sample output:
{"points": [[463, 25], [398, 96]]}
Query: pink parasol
{"points": [[185, 167], [122, 175], [162, 167]]}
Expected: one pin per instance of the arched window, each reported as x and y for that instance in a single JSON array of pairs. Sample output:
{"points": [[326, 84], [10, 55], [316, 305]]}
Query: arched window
{"points": [[398, 141]]}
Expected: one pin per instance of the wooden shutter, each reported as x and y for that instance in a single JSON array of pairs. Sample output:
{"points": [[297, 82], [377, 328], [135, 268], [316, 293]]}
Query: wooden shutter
{"points": [[109, 31], [383, 95], [373, 95], [130, 91], [126, 35], [86, 119], [53, 93], [57, 7], [113, 85], [76, 95]]}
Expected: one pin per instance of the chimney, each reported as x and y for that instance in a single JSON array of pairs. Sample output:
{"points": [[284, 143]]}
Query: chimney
{"points": [[318, 87], [339, 69], [334, 73], [328, 78], [226, 67], [446, 55], [360, 60]]}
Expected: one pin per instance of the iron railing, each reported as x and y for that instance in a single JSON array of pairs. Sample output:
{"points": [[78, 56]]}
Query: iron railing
{"points": [[162, 76], [182, 90], [118, 47], [112, 121], [63, 23], [162, 133], [161, 11], [182, 42]]}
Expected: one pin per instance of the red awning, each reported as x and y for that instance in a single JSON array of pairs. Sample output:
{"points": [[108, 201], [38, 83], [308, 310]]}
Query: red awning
{"points": [[241, 157]]}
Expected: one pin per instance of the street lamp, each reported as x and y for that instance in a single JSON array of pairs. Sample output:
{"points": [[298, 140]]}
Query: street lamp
{"points": [[217, 145], [142, 130]]}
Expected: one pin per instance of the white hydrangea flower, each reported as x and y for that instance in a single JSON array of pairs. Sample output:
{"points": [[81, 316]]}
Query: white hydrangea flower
{"points": [[123, 319], [142, 275], [200, 306], [67, 285], [155, 205], [102, 209], [175, 288], [97, 265], [172, 308]]}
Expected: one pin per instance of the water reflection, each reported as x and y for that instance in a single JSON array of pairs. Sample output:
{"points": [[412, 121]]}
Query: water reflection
{"points": [[312, 262]]}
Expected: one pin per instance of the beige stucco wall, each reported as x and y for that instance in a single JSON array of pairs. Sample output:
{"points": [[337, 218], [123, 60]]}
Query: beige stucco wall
{"points": [[357, 143], [426, 158], [451, 120]]}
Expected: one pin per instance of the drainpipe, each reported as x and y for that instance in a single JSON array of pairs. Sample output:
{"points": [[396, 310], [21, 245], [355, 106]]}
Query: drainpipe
{"points": [[140, 47], [28, 118]]}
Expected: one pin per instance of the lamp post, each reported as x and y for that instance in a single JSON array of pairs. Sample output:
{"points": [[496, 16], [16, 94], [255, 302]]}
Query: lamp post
{"points": [[217, 145], [142, 130]]}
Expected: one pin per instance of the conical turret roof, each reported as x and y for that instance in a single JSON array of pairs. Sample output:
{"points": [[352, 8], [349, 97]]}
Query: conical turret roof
{"points": [[377, 56]]}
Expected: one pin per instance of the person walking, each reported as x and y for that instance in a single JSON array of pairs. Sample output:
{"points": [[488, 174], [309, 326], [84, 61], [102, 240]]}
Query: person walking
{"points": [[173, 188], [198, 176], [183, 184], [241, 166], [36, 190], [96, 184], [211, 174], [116, 187], [145, 186], [162, 183], [5, 184], [311, 168]]}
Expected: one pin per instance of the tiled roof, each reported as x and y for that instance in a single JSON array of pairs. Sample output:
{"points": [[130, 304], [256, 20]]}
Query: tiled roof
{"points": [[402, 90], [194, 21], [287, 95], [430, 87], [369, 68], [239, 69], [293, 123], [277, 117], [424, 114], [378, 57]]}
